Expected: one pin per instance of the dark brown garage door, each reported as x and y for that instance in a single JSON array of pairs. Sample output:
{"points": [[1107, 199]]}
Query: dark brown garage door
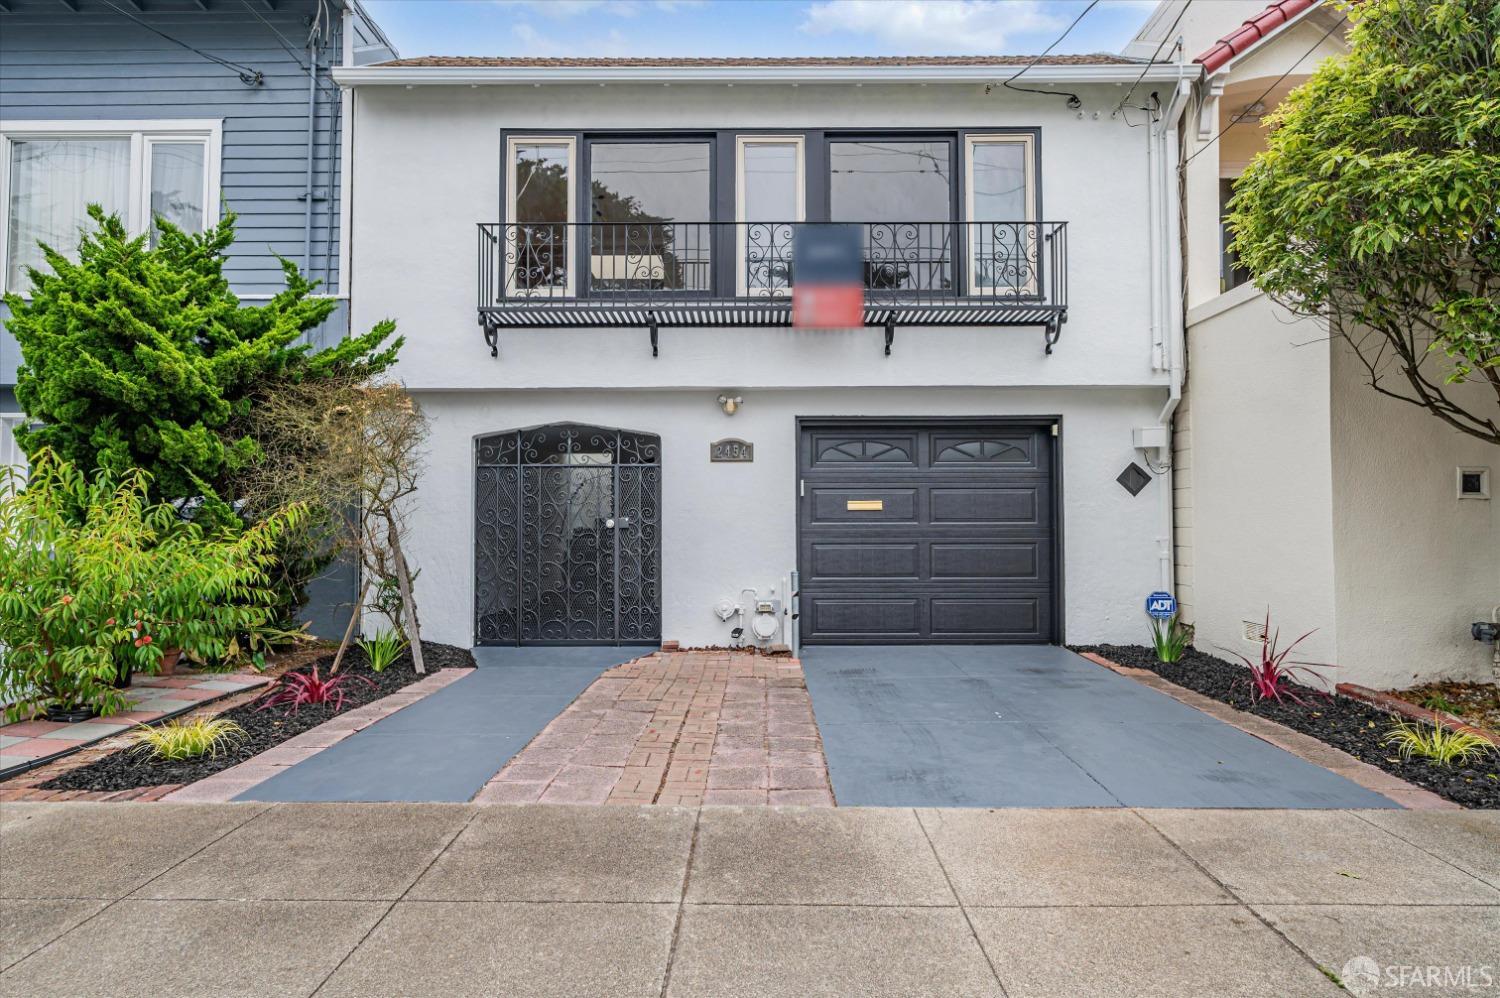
{"points": [[926, 532]]}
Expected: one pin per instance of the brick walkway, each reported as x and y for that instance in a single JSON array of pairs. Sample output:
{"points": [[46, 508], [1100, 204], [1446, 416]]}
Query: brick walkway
{"points": [[151, 699], [689, 727]]}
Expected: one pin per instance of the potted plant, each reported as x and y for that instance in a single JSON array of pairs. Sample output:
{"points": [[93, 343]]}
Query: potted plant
{"points": [[95, 578]]}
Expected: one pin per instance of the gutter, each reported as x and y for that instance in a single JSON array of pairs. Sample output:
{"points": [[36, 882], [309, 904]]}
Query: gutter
{"points": [[408, 76]]}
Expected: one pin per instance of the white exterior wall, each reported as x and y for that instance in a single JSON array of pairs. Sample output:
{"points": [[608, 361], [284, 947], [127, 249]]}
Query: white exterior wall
{"points": [[428, 167], [1259, 526], [726, 527], [1416, 565]]}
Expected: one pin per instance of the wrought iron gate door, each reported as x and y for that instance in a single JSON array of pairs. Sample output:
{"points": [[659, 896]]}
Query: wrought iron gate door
{"points": [[568, 536]]}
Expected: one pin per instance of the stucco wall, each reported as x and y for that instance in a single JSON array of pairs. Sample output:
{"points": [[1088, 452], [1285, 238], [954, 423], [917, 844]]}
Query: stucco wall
{"points": [[1258, 520], [1415, 564], [729, 526], [427, 168]]}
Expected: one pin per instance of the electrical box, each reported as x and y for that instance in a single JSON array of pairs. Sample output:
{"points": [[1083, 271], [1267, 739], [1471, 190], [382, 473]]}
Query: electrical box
{"points": [[1150, 437]]}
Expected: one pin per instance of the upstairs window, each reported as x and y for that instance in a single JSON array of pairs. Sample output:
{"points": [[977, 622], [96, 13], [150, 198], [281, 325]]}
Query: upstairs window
{"points": [[540, 176], [902, 189], [138, 170], [651, 204], [1004, 244]]}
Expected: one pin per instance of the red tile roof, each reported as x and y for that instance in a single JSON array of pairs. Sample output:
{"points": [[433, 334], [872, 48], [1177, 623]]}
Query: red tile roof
{"points": [[1253, 32], [526, 62]]}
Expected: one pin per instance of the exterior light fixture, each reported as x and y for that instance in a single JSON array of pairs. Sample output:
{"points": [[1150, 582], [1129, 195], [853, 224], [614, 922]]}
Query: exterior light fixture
{"points": [[730, 404]]}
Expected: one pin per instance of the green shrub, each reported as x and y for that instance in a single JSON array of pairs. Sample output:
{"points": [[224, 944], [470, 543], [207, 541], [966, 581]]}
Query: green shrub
{"points": [[179, 740], [1171, 638], [382, 649], [95, 577], [1438, 745]]}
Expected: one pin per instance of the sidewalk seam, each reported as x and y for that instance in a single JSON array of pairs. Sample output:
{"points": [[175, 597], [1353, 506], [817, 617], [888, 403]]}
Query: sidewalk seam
{"points": [[973, 932], [1420, 848], [687, 875]]}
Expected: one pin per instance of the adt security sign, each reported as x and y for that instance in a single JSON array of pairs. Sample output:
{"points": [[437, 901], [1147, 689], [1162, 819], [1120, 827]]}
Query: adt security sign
{"points": [[1161, 605]]}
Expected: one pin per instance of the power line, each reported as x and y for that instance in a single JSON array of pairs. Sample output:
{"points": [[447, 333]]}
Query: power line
{"points": [[248, 76], [1151, 61], [1074, 101], [1267, 92]]}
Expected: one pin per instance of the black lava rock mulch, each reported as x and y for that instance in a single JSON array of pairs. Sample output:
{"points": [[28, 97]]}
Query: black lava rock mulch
{"points": [[1350, 725], [264, 729]]}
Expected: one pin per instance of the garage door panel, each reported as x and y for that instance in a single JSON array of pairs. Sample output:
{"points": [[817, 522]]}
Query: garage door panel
{"points": [[864, 617], [985, 505], [832, 505], [1015, 450], [862, 560], [841, 449], [1018, 617], [986, 561]]}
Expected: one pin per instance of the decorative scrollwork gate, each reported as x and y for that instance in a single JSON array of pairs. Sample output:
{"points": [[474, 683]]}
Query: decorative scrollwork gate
{"points": [[568, 536]]}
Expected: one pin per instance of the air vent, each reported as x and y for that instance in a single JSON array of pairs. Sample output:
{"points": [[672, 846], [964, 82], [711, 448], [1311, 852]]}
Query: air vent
{"points": [[1255, 630], [1473, 483]]}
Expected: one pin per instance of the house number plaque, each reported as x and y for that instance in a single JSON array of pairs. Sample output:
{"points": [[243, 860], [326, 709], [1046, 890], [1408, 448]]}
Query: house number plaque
{"points": [[731, 449]]}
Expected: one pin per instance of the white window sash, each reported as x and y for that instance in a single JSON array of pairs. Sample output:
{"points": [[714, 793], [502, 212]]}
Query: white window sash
{"points": [[1028, 146], [512, 250], [742, 250], [140, 133]]}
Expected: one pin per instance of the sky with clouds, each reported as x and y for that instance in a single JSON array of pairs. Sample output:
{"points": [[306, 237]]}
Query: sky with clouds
{"points": [[752, 27]]}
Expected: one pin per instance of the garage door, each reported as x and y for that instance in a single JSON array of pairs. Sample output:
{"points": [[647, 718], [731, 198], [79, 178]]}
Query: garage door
{"points": [[927, 532]]}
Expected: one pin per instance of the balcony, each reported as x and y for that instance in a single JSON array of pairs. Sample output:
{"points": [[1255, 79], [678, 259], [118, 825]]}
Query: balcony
{"points": [[649, 274]]}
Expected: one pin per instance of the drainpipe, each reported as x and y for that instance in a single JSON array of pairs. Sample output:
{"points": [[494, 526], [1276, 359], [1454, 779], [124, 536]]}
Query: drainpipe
{"points": [[312, 129]]}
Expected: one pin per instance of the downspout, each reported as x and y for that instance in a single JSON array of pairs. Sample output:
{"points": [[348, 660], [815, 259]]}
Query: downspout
{"points": [[1170, 311], [312, 130]]}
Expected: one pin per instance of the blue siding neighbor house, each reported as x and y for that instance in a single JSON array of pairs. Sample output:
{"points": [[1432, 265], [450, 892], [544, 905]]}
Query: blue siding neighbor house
{"points": [[184, 108]]}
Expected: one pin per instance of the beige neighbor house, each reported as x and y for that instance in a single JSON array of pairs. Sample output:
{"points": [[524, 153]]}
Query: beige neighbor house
{"points": [[1298, 488]]}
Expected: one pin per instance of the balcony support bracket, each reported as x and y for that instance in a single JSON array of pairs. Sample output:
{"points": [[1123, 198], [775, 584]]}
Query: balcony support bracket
{"points": [[491, 335], [890, 333], [1053, 330], [652, 326]]}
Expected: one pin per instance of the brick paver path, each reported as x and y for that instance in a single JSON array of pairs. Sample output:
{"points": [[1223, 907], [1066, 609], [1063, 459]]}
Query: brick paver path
{"points": [[688, 727]]}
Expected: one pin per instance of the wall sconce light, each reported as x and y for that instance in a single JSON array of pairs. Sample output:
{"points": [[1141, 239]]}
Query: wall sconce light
{"points": [[730, 404]]}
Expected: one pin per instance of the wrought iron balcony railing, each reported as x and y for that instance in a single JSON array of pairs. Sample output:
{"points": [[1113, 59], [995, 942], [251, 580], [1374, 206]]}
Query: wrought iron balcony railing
{"points": [[648, 273]]}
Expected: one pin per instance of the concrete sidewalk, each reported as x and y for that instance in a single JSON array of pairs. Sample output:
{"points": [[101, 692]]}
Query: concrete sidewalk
{"points": [[458, 899]]}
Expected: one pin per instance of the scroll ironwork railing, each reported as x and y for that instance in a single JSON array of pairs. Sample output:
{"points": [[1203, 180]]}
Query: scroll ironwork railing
{"points": [[662, 262]]}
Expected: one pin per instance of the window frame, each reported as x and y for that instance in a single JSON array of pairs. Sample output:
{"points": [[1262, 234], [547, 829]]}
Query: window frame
{"points": [[741, 141], [1028, 140], [141, 133], [571, 143]]}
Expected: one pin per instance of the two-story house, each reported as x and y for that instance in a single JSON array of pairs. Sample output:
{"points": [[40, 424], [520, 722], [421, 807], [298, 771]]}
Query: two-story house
{"points": [[187, 109], [1300, 490], [594, 263]]}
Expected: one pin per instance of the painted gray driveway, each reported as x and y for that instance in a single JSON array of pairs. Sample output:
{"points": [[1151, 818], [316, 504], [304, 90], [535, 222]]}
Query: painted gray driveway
{"points": [[446, 746], [1038, 726]]}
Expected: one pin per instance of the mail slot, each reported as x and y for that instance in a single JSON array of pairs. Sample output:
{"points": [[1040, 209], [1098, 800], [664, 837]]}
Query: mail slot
{"points": [[865, 504]]}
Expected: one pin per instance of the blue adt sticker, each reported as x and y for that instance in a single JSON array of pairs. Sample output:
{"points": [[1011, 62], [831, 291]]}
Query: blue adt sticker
{"points": [[1161, 605]]}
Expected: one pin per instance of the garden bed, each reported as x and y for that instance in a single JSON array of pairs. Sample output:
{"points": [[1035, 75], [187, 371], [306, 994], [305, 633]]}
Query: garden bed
{"points": [[1472, 703], [264, 729], [1350, 725]]}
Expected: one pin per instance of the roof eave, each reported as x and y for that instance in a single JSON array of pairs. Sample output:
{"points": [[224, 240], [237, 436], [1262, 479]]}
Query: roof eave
{"points": [[354, 76]]}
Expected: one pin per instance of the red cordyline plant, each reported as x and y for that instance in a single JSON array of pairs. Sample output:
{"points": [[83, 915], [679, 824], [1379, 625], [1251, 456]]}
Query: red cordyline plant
{"points": [[301, 689], [1273, 677]]}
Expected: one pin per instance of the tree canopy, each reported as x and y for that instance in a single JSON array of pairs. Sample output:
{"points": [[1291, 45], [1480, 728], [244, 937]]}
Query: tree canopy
{"points": [[141, 357], [1376, 203]]}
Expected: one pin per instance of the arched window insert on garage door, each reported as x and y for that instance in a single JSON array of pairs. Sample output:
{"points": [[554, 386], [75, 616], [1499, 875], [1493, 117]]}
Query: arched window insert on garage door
{"points": [[567, 527]]}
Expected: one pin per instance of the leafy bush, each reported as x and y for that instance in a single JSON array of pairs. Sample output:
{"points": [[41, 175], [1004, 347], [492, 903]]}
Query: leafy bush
{"points": [[1438, 745], [1171, 638], [141, 357], [94, 577], [1272, 677], [305, 689], [179, 740], [382, 649]]}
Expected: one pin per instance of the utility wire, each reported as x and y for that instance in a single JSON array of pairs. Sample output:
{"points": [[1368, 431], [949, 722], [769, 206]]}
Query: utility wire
{"points": [[287, 45], [1151, 61], [1266, 93], [1074, 101], [248, 76]]}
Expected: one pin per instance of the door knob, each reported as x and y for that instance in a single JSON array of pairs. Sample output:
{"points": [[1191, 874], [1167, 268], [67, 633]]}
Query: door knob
{"points": [[610, 523]]}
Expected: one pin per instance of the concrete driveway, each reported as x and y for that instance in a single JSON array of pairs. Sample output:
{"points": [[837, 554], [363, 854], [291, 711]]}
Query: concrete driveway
{"points": [[1037, 726], [453, 900]]}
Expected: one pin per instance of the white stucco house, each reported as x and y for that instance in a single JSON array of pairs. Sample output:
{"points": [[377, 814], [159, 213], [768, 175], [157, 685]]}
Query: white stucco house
{"points": [[1298, 488], [593, 263]]}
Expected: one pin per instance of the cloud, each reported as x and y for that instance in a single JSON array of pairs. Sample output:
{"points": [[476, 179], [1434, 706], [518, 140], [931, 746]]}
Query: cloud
{"points": [[560, 9], [960, 27]]}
